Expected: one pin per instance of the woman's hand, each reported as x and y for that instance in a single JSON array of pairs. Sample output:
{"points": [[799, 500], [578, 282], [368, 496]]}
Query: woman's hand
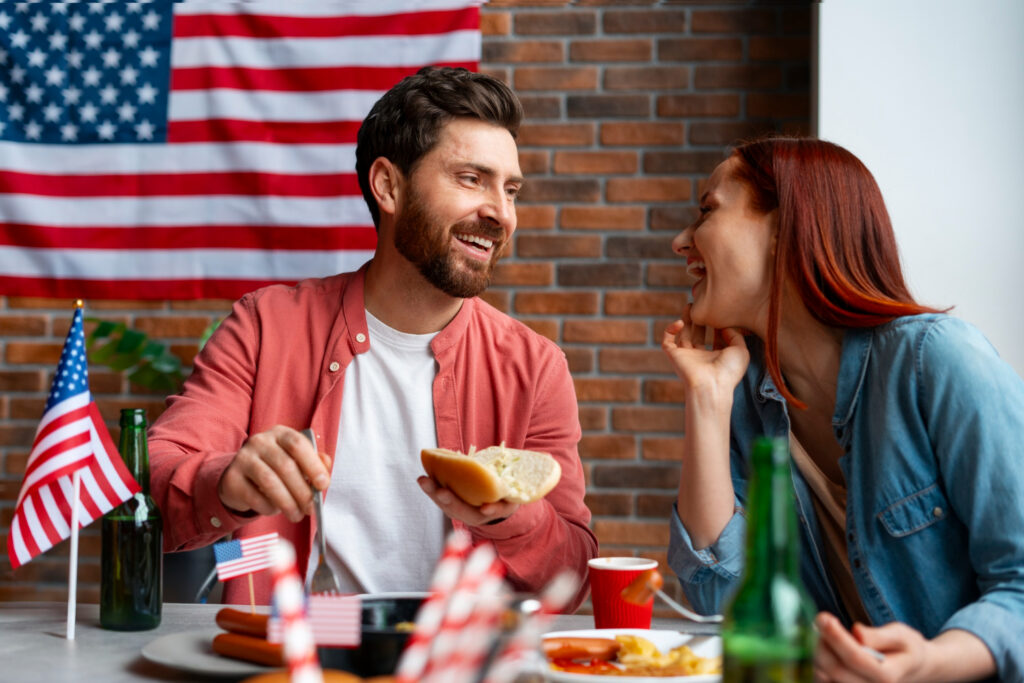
{"points": [[720, 367], [843, 655]]}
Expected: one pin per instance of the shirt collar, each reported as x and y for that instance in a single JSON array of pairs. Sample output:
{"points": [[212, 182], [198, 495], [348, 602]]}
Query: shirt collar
{"points": [[853, 366]]}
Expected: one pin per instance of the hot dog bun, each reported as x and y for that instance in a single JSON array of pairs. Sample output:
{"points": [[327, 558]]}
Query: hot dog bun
{"points": [[493, 474]]}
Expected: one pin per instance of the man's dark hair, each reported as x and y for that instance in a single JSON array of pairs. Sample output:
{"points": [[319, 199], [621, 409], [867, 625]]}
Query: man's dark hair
{"points": [[406, 121]]}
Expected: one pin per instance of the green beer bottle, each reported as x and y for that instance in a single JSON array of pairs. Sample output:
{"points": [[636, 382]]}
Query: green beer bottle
{"points": [[131, 565], [768, 633]]}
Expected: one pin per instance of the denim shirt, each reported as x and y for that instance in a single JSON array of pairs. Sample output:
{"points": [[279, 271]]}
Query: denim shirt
{"points": [[932, 425]]}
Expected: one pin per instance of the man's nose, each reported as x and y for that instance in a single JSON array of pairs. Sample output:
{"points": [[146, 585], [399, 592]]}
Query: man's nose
{"points": [[501, 209]]}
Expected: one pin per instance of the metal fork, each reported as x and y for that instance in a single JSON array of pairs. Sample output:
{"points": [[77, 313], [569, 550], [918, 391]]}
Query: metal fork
{"points": [[324, 580]]}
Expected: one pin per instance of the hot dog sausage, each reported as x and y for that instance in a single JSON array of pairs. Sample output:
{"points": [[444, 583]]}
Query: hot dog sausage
{"points": [[247, 623], [641, 589], [249, 648], [580, 648]]}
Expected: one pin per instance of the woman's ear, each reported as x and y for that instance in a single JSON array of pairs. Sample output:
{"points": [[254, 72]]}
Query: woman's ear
{"points": [[385, 179]]}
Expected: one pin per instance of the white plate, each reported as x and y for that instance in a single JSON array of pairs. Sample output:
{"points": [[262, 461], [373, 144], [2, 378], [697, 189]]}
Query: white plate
{"points": [[192, 651], [702, 646]]}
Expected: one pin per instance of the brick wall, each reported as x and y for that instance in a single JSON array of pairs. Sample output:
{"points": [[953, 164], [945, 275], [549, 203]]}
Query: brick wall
{"points": [[629, 104]]}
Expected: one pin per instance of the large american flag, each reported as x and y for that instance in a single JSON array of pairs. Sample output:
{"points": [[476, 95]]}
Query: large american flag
{"points": [[197, 149], [71, 437]]}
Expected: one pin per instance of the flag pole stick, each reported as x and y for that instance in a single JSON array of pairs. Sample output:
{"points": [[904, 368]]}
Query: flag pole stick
{"points": [[252, 595], [73, 559]]}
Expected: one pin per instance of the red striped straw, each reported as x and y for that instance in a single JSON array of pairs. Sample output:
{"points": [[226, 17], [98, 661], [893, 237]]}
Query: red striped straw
{"points": [[465, 639], [299, 649], [523, 643], [428, 620]]}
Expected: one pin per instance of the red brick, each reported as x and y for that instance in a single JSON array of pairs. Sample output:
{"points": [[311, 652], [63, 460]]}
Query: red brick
{"points": [[643, 303], [778, 105], [648, 189], [796, 20], [33, 302], [522, 51], [734, 21], [647, 419], [777, 48], [593, 418], [529, 3], [546, 327], [663, 448], [595, 162], [562, 190], [580, 359], [185, 352], [659, 161], [709, 77], [725, 133], [518, 274], [17, 435], [534, 161], [22, 380], [646, 77], [498, 299], [655, 505], [673, 218], [668, 275], [603, 218], [699, 105], [220, 306], [608, 446], [541, 106], [634, 476], [622, 532], [559, 134], [634, 361], [599, 275], [636, 133], [18, 353], [644, 21], [107, 381], [607, 389], [572, 23], [610, 50], [120, 304], [700, 49], [607, 106], [613, 3], [555, 246], [23, 325], [25, 409], [581, 303], [535, 217], [166, 327], [496, 72], [555, 78], [604, 332], [663, 391], [609, 504], [495, 23]]}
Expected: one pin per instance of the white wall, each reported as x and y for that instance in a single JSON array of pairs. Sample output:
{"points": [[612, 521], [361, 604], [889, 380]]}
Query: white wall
{"points": [[930, 95]]}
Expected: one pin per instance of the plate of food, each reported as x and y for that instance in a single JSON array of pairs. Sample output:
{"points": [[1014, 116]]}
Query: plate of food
{"points": [[192, 652], [632, 655]]}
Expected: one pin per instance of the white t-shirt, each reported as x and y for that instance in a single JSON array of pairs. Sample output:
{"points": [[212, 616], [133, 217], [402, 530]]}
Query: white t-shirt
{"points": [[383, 533]]}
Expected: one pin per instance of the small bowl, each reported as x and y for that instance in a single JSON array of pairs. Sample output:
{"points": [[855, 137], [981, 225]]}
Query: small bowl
{"points": [[382, 643]]}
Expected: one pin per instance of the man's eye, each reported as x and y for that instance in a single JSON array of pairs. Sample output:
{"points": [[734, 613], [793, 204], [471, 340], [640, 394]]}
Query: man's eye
{"points": [[469, 178], [513, 192]]}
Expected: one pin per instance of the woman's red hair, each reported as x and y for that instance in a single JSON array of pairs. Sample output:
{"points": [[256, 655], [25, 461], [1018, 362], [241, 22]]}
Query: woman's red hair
{"points": [[835, 241]]}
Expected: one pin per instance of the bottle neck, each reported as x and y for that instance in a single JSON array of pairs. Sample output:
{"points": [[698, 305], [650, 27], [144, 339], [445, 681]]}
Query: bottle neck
{"points": [[773, 546], [134, 448]]}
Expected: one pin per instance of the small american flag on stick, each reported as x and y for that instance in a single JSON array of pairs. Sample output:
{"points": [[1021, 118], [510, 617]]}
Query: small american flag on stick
{"points": [[244, 556]]}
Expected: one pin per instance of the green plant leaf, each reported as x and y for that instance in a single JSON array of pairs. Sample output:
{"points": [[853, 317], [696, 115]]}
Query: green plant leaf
{"points": [[145, 362]]}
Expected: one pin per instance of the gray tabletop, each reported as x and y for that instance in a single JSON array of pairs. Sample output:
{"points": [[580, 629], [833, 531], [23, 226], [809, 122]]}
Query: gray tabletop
{"points": [[33, 646]]}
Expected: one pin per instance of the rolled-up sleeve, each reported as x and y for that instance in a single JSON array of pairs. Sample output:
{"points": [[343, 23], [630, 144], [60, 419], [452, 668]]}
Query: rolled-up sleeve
{"points": [[708, 575]]}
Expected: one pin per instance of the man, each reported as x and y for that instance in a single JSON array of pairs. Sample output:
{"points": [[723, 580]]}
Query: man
{"points": [[381, 363]]}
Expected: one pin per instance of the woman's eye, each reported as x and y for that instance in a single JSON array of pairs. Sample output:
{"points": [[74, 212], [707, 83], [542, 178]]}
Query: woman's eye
{"points": [[704, 210]]}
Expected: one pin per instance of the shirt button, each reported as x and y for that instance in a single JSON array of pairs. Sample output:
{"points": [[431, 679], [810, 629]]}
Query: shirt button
{"points": [[215, 522], [333, 367], [937, 511], [360, 337]]}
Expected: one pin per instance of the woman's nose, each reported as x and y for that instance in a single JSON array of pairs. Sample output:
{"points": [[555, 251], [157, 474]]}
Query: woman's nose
{"points": [[683, 241]]}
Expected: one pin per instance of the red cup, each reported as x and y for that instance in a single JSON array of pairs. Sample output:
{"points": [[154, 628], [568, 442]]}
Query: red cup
{"points": [[608, 576]]}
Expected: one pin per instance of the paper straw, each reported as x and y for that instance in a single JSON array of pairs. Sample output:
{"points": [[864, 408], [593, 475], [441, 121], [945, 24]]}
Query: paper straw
{"points": [[73, 557], [428, 619], [289, 599]]}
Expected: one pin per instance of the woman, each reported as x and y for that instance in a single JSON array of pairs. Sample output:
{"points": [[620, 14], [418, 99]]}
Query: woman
{"points": [[905, 426]]}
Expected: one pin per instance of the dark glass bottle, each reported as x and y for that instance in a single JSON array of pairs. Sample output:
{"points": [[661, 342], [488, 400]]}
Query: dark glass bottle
{"points": [[131, 589], [768, 633]]}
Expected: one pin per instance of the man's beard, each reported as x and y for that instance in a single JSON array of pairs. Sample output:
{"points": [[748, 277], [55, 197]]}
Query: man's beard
{"points": [[420, 238]]}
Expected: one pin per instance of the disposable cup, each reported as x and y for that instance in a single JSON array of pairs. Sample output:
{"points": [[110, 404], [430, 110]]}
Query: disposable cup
{"points": [[608, 576]]}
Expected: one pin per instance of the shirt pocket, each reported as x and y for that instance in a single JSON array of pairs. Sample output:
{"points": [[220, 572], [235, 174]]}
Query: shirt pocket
{"points": [[915, 512]]}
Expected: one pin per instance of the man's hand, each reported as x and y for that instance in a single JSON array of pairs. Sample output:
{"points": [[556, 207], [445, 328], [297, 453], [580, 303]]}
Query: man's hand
{"points": [[272, 472], [456, 508]]}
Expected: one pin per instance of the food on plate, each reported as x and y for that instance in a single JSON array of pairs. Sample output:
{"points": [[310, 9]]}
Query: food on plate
{"points": [[635, 656], [237, 621], [330, 676], [493, 474], [641, 589], [580, 648], [249, 648]]}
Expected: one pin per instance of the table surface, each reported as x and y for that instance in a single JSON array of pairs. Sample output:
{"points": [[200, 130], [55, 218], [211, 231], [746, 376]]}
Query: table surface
{"points": [[33, 646]]}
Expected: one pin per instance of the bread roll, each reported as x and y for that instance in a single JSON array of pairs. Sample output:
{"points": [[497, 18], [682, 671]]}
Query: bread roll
{"points": [[493, 474]]}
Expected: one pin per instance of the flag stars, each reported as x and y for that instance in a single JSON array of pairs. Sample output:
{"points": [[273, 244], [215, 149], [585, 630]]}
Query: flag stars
{"points": [[147, 94], [131, 39], [149, 56], [58, 41], [37, 58], [34, 94], [19, 39], [15, 112], [114, 22], [111, 58], [51, 112], [144, 130], [3, 92], [54, 76], [129, 75], [17, 74], [91, 76], [39, 22], [5, 21], [59, 7], [71, 95], [88, 113], [106, 130], [75, 58], [126, 112], [108, 95], [3, 56], [33, 130], [93, 40], [151, 20], [76, 22]]}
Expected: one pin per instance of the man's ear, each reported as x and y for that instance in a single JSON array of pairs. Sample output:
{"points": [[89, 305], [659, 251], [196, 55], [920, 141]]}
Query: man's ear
{"points": [[385, 183]]}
